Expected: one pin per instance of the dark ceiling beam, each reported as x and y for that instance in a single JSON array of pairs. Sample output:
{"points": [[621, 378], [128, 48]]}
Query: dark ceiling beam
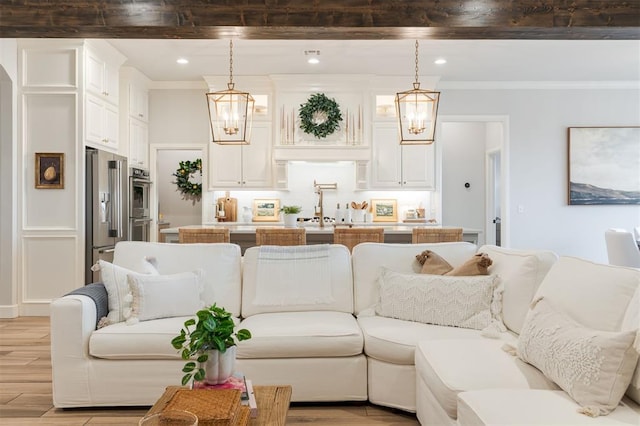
{"points": [[323, 19]]}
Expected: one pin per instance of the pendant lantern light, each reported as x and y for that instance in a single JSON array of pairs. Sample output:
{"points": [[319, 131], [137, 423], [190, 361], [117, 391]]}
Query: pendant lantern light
{"points": [[230, 112], [417, 110]]}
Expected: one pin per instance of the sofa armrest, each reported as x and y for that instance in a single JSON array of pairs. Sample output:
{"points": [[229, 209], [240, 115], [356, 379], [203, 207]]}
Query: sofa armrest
{"points": [[73, 320], [98, 293]]}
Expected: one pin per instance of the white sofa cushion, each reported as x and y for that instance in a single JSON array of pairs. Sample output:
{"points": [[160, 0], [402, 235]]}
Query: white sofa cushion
{"points": [[221, 265], [521, 272], [453, 366], [164, 296], [146, 340], [368, 258], [534, 407], [301, 335], [341, 284], [631, 321], [114, 278], [436, 299], [392, 340], [593, 367], [594, 295]]}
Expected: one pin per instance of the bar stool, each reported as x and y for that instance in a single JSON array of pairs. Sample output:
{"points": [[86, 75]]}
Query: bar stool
{"points": [[351, 237], [203, 235], [436, 235], [281, 236]]}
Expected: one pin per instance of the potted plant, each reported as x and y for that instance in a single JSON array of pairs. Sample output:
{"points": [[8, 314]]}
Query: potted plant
{"points": [[291, 215], [212, 342]]}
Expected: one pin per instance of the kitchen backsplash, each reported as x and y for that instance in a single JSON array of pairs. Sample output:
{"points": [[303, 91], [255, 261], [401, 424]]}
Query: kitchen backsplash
{"points": [[301, 192]]}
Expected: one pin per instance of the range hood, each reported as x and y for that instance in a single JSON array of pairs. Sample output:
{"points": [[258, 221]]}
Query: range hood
{"points": [[321, 153]]}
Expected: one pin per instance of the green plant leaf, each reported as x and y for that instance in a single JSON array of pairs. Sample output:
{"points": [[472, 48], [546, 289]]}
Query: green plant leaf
{"points": [[185, 379], [189, 367], [199, 375], [203, 358], [243, 334]]}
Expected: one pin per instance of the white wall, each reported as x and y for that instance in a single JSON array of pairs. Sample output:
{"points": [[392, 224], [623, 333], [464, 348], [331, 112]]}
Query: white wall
{"points": [[174, 207], [8, 182], [463, 160], [538, 122]]}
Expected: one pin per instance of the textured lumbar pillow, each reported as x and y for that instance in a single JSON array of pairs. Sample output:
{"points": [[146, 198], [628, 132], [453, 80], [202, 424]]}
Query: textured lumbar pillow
{"points": [[436, 299], [164, 296], [594, 367], [432, 263], [477, 265], [114, 279]]}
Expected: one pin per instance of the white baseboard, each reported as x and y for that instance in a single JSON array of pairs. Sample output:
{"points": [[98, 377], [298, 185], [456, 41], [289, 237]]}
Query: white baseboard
{"points": [[9, 311], [34, 310]]}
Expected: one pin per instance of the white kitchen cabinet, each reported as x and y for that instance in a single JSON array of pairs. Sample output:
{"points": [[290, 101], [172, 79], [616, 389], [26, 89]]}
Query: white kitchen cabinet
{"points": [[138, 144], [138, 101], [101, 123], [398, 166], [134, 116], [102, 76], [243, 166]]}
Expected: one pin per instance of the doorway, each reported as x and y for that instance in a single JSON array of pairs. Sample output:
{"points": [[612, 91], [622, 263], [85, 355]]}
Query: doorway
{"points": [[473, 179], [169, 207]]}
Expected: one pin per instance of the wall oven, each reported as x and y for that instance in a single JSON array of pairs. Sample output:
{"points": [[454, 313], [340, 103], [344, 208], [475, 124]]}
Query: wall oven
{"points": [[139, 211]]}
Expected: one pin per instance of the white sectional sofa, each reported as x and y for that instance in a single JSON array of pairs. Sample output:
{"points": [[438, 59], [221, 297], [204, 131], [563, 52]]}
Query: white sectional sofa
{"points": [[332, 346]]}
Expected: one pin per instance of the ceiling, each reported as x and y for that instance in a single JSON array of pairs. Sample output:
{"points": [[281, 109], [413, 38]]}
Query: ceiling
{"points": [[467, 60]]}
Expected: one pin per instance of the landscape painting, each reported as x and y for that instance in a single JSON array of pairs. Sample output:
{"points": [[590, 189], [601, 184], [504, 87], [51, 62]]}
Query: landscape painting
{"points": [[604, 165]]}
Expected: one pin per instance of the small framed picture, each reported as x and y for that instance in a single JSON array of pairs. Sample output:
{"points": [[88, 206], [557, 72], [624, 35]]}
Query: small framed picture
{"points": [[384, 210], [266, 210], [49, 167]]}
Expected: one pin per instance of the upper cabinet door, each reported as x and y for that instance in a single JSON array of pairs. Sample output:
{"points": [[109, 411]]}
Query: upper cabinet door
{"points": [[225, 166], [95, 70], [418, 167], [387, 162], [102, 77], [256, 157]]}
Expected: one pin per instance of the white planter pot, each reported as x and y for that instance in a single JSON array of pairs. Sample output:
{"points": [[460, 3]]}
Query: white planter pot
{"points": [[291, 220], [220, 366]]}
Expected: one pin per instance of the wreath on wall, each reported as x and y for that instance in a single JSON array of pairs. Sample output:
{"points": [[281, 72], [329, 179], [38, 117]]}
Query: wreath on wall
{"points": [[184, 175], [320, 116]]}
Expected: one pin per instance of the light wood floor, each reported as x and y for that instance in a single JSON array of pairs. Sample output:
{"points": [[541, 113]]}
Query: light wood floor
{"points": [[25, 390]]}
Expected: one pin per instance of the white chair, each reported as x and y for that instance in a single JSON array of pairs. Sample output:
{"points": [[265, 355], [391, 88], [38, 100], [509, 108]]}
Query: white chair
{"points": [[622, 248]]}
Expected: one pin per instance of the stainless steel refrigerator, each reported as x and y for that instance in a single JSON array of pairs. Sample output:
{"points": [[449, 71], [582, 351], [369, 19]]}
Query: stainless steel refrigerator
{"points": [[107, 207]]}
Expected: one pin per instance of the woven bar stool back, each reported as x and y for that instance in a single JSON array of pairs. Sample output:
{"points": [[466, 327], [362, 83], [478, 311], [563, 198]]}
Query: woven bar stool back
{"points": [[350, 237], [281, 236], [436, 235], [203, 235]]}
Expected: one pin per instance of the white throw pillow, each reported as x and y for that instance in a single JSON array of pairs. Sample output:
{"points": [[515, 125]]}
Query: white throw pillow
{"points": [[164, 296], [435, 299], [114, 278], [594, 367]]}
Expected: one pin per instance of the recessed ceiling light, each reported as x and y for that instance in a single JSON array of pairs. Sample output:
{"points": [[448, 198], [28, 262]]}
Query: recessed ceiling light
{"points": [[182, 61], [440, 61], [312, 56]]}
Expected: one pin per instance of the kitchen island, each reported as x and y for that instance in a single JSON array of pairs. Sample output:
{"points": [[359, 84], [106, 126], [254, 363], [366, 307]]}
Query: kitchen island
{"points": [[244, 234]]}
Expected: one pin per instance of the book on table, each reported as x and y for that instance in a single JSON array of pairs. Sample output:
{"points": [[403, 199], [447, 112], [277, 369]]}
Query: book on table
{"points": [[239, 382]]}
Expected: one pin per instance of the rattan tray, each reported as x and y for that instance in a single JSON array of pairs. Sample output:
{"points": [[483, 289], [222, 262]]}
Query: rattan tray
{"points": [[214, 407]]}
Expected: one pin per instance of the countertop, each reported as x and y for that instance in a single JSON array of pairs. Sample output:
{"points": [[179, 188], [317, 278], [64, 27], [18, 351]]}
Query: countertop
{"points": [[250, 228]]}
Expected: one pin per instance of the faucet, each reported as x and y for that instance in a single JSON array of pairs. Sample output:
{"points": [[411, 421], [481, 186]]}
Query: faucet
{"points": [[319, 210]]}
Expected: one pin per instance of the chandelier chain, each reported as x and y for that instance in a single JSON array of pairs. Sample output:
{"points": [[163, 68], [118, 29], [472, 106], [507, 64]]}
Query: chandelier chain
{"points": [[416, 61], [231, 62]]}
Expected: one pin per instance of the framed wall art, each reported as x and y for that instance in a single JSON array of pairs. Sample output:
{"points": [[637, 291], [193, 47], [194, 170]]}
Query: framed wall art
{"points": [[266, 210], [603, 165], [384, 210], [49, 169]]}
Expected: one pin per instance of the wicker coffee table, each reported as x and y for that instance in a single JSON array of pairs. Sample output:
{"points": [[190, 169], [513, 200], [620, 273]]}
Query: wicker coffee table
{"points": [[273, 404]]}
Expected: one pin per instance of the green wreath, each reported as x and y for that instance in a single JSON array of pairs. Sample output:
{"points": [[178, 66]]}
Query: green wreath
{"points": [[320, 116], [183, 177]]}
